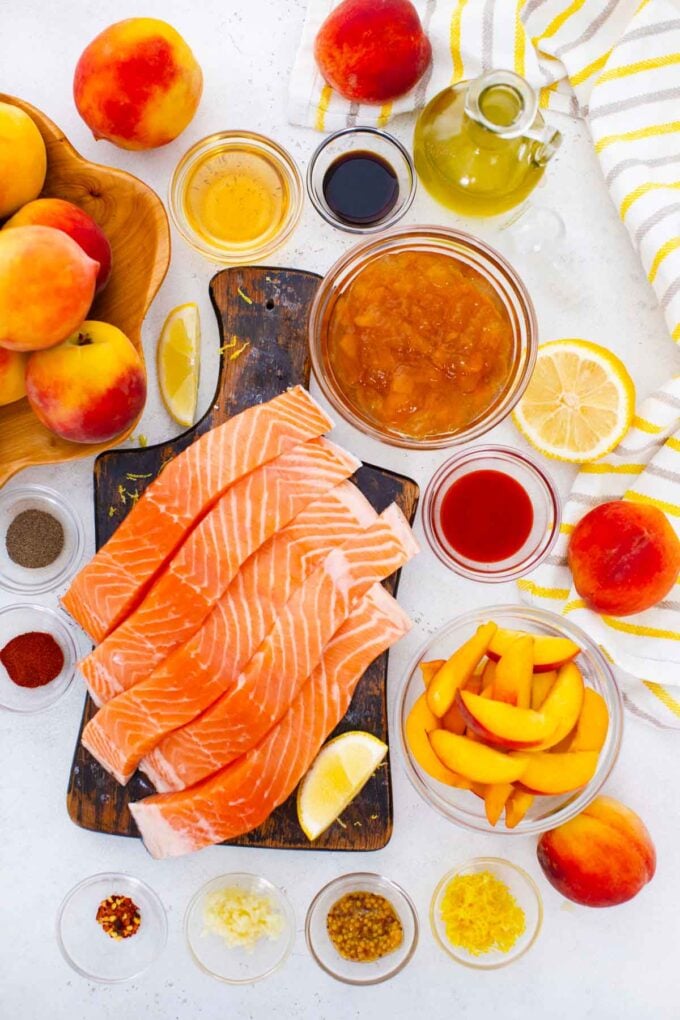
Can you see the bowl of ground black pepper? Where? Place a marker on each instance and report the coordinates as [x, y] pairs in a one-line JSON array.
[[37, 657], [362, 928], [41, 539]]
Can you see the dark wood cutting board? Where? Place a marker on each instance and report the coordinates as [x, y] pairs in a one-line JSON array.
[[262, 315]]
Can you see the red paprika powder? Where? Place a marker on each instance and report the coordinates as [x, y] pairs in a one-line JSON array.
[[32, 659]]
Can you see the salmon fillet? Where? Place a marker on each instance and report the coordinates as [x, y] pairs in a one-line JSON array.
[[285, 659], [199, 671], [244, 794], [249, 513], [114, 581]]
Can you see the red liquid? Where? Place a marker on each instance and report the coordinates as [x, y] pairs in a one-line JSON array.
[[486, 516]]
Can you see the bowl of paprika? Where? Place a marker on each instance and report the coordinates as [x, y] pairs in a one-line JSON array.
[[37, 658]]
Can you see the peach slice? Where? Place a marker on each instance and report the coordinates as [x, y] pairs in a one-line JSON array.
[[453, 720], [430, 670], [488, 673], [549, 652], [419, 723], [541, 686], [476, 761], [458, 669], [503, 724], [550, 773], [592, 725], [516, 807], [563, 705], [495, 798], [514, 672]]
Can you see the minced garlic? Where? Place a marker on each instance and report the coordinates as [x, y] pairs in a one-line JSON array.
[[480, 914], [241, 917]]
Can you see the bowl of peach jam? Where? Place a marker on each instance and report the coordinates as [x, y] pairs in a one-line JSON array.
[[423, 337]]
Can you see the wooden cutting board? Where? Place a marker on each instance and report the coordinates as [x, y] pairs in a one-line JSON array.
[[262, 315]]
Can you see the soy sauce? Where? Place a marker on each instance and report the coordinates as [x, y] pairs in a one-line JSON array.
[[360, 187]]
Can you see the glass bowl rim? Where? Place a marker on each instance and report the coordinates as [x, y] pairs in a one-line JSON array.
[[368, 877], [113, 876], [50, 495], [286, 909], [606, 762], [395, 214], [529, 883], [389, 241], [283, 158], [61, 627], [470, 454]]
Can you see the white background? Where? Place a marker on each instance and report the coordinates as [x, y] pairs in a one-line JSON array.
[[607, 964]]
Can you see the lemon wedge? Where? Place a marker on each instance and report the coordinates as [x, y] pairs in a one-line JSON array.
[[341, 768], [179, 358], [579, 404]]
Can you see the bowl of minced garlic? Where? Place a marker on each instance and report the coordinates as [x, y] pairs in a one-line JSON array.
[[486, 913]]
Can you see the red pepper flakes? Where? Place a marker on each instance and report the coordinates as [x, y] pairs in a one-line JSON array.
[[32, 659], [119, 916]]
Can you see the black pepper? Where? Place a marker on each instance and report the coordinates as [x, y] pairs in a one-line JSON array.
[[34, 539]]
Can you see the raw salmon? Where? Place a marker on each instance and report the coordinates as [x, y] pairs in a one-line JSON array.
[[244, 794], [200, 670], [114, 581], [285, 659], [249, 513]]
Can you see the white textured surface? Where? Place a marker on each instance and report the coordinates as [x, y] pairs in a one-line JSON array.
[[607, 964]]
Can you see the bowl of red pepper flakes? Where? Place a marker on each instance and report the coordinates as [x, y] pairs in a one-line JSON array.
[[37, 658]]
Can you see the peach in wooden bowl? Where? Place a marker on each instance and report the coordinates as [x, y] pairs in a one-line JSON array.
[[136, 225]]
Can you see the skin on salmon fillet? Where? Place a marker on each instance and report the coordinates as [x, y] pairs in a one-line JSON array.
[[244, 794], [115, 580], [205, 666], [248, 514], [292, 649]]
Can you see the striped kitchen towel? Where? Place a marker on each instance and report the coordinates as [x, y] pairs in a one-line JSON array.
[[645, 647]]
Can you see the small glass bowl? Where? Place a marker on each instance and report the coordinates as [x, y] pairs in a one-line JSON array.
[[461, 806], [234, 965], [325, 953], [276, 155], [465, 248], [89, 950], [362, 139], [534, 480], [22, 619], [524, 890], [34, 581]]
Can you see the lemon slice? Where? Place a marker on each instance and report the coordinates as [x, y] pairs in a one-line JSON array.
[[579, 404], [179, 358], [336, 776]]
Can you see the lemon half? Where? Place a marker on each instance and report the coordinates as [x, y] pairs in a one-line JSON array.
[[340, 770], [179, 358], [579, 404]]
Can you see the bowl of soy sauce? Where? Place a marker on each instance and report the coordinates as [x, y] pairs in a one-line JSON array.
[[361, 180]]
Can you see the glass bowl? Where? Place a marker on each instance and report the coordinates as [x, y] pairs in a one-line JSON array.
[[489, 263], [236, 965], [534, 480], [89, 950], [325, 953], [278, 159], [461, 806], [21, 619], [35, 580], [362, 139], [525, 892]]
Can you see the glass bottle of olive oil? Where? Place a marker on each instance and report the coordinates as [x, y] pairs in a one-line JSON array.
[[481, 146]]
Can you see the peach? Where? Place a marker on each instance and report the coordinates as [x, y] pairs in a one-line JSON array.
[[419, 723], [516, 807], [62, 215], [496, 796], [601, 858], [372, 51], [563, 705], [549, 773], [624, 557], [12, 376], [549, 652], [90, 388], [514, 672], [430, 670], [541, 685], [593, 723], [503, 724], [137, 84], [458, 669], [46, 287], [476, 761], [23, 159]]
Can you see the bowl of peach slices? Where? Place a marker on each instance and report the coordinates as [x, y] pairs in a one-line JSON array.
[[510, 720]]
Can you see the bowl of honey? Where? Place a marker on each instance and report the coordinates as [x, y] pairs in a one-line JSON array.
[[236, 196], [423, 337]]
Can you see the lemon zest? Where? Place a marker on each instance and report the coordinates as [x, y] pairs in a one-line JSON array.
[[480, 914]]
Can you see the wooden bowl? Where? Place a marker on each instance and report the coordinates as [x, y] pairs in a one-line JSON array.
[[135, 222]]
